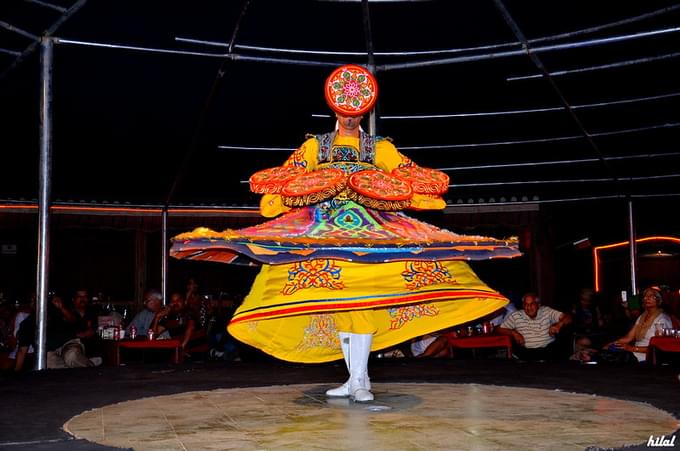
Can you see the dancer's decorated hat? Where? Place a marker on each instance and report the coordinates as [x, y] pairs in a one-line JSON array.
[[351, 90]]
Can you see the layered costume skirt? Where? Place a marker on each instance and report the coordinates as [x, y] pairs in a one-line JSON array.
[[339, 266]]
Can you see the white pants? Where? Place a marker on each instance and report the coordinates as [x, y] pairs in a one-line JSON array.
[[70, 355]]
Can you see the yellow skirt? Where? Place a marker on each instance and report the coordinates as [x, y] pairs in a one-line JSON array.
[[295, 311]]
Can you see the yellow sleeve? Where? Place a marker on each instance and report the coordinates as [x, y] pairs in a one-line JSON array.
[[387, 157], [427, 202], [305, 156], [271, 205]]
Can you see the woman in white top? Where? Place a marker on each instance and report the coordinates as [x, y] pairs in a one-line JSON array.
[[653, 318]]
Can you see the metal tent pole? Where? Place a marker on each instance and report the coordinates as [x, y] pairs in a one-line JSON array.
[[164, 255], [549, 38], [205, 111], [61, 9], [45, 185], [368, 35], [195, 143], [66, 15], [228, 56], [632, 249], [580, 70]]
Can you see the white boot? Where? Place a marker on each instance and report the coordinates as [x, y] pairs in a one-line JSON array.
[[360, 348], [343, 390]]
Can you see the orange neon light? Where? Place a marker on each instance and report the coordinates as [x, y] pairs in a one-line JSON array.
[[104, 209], [251, 211], [597, 249]]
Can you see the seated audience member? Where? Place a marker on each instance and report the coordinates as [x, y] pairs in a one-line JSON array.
[[432, 345], [24, 335], [396, 352], [438, 345], [587, 321], [635, 342], [13, 317], [64, 348], [533, 329], [178, 321], [7, 314], [671, 304], [197, 303], [86, 322], [616, 319], [143, 321], [222, 344], [192, 296]]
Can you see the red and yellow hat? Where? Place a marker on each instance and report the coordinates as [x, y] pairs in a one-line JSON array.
[[351, 90]]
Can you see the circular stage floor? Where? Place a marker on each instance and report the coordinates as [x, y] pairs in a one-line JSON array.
[[403, 416]]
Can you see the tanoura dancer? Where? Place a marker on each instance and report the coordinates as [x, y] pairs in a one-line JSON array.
[[344, 271]]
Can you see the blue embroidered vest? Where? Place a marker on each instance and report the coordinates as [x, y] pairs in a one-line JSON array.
[[332, 154]]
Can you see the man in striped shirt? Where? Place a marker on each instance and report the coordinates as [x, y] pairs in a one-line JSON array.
[[533, 329]]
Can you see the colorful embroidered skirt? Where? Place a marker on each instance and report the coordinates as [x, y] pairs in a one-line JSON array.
[[341, 230], [291, 309], [401, 277]]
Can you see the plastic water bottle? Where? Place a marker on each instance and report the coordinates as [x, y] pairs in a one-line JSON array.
[[133, 332]]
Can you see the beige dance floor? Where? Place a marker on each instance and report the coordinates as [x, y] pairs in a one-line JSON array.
[[402, 417]]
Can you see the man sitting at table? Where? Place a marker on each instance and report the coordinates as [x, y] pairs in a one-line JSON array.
[[180, 322], [153, 301], [64, 348], [86, 324], [533, 329]]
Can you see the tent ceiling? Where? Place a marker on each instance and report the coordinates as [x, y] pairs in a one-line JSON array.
[[124, 120]]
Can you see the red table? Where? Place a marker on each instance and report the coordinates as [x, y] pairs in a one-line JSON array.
[[149, 344], [666, 344], [483, 341]]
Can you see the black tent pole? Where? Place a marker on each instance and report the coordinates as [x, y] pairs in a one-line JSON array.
[[202, 118], [206, 109]]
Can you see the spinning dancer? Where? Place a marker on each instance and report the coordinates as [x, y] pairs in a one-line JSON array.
[[344, 271]]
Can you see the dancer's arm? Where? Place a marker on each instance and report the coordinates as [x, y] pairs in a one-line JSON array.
[[305, 156], [387, 158]]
